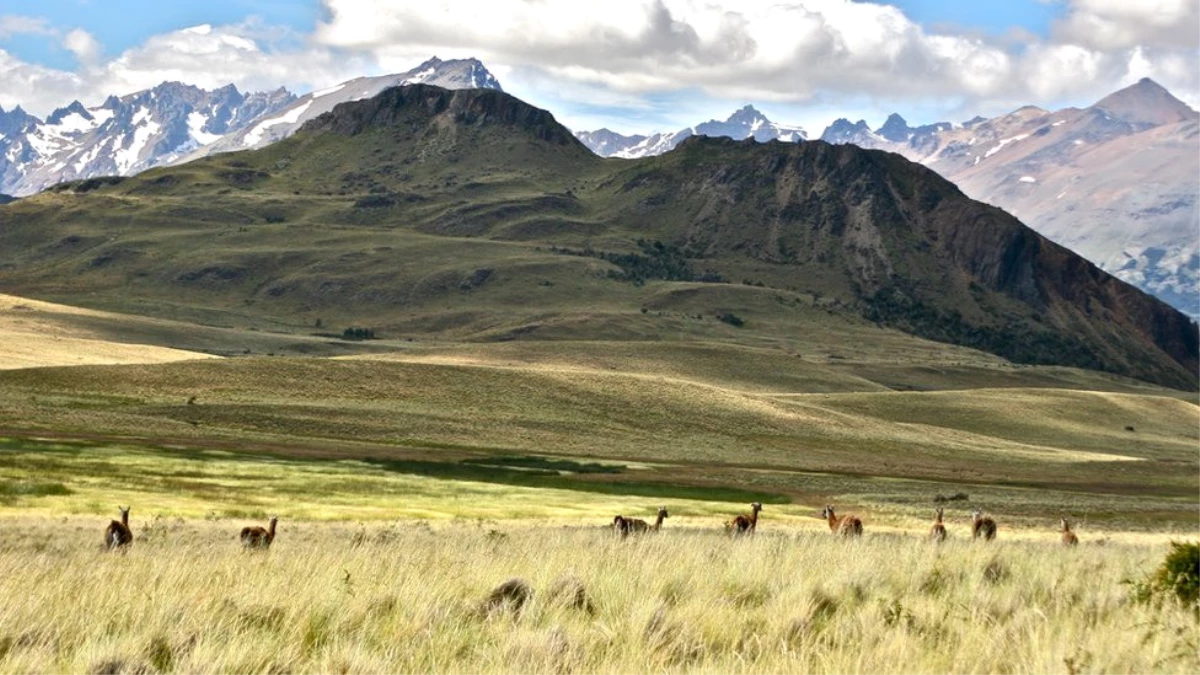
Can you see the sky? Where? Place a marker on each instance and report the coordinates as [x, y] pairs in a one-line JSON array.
[[634, 66]]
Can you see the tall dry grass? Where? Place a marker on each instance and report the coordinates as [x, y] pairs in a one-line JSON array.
[[406, 597]]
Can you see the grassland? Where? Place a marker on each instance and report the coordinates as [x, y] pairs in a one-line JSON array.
[[405, 597], [884, 427], [412, 478]]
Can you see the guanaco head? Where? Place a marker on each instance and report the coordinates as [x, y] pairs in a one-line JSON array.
[[124, 514], [939, 514], [1066, 525], [756, 507], [977, 514], [662, 512], [827, 512]]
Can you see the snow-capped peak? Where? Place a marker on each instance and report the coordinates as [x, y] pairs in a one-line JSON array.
[[746, 122]]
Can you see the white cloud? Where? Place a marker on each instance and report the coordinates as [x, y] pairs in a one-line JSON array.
[[85, 47], [1122, 24], [776, 50], [636, 58], [13, 24], [213, 56], [246, 55]]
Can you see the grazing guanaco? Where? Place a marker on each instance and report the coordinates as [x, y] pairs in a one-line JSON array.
[[938, 531], [620, 525], [849, 526], [636, 525], [980, 526], [1068, 537], [745, 524], [257, 537], [118, 535]]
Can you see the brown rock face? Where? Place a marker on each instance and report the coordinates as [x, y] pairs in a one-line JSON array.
[[915, 253]]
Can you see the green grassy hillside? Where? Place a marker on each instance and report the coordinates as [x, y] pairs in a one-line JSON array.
[[471, 216]]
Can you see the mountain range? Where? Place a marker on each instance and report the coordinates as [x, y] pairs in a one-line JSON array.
[[175, 122], [123, 135], [471, 215], [1079, 176], [745, 123]]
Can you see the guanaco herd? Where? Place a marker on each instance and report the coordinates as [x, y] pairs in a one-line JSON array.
[[118, 536], [847, 525]]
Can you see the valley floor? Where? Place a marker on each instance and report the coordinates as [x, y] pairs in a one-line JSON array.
[[411, 483]]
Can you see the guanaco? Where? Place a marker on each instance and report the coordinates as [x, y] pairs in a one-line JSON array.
[[257, 537], [1068, 537], [938, 531], [849, 526], [625, 526], [745, 524], [118, 535], [980, 526]]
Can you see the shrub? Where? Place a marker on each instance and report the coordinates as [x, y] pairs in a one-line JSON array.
[[1179, 573], [731, 319]]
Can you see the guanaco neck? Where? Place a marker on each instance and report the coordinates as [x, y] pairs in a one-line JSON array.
[[833, 520], [658, 523], [125, 518], [754, 517], [271, 529]]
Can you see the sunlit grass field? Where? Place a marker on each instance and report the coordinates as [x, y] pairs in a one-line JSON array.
[[410, 485], [407, 596]]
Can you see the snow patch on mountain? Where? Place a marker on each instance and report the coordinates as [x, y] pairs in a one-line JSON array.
[[128, 156], [196, 123], [255, 135]]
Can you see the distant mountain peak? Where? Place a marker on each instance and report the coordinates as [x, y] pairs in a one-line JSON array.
[[895, 129], [76, 108], [468, 73], [843, 130], [1145, 103]]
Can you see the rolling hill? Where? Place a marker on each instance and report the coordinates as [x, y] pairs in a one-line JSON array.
[[470, 215]]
